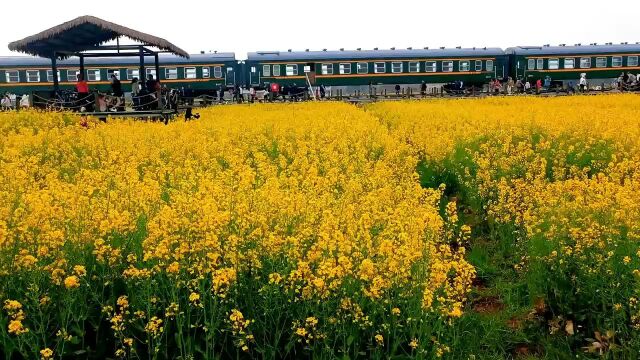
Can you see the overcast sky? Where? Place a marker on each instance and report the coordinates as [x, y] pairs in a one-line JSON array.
[[251, 25]]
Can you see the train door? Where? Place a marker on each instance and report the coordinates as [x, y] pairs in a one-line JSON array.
[[254, 75], [500, 70], [230, 76], [310, 72]]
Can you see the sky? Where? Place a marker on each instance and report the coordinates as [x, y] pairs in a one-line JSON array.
[[252, 25]]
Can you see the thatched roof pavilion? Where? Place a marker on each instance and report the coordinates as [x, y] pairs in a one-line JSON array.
[[85, 37]]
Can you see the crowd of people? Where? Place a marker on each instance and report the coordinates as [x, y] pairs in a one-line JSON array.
[[149, 94], [12, 101], [628, 81]]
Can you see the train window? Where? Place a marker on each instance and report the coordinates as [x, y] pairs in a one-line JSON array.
[[217, 72], [133, 73], [430, 66], [12, 76], [478, 65], [171, 73], [585, 63], [569, 63], [531, 64], [152, 72], [414, 67], [363, 68], [397, 67], [379, 68], [266, 70], [554, 64], [489, 65], [276, 70], [113, 72], [206, 72], [291, 69], [447, 66], [72, 75], [50, 75], [601, 62], [540, 64], [345, 69], [632, 61], [464, 65], [327, 69], [93, 75], [189, 73], [33, 75], [616, 61]]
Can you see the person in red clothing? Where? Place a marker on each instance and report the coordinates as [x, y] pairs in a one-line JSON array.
[[81, 86], [83, 93], [538, 86]]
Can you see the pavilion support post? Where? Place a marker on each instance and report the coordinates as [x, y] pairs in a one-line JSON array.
[[82, 67], [141, 76], [157, 60], [54, 69]]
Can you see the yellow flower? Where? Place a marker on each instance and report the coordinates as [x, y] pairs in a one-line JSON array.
[[379, 339], [414, 343], [71, 282], [154, 327], [12, 305], [80, 270], [46, 353], [15, 327], [311, 321], [194, 297], [395, 311]]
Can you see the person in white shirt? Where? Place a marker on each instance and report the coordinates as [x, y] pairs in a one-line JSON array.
[[583, 82], [24, 102]]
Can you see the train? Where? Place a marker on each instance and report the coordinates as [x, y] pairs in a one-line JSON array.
[[339, 70]]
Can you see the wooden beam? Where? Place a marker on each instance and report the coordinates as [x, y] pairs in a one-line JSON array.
[[54, 68]]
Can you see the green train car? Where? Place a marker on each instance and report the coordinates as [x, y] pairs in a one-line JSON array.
[[199, 74], [383, 69], [602, 64]]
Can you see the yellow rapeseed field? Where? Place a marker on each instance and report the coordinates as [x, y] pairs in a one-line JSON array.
[[322, 230]]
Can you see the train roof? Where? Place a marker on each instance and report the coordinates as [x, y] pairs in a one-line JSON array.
[[164, 58], [573, 49], [371, 54]]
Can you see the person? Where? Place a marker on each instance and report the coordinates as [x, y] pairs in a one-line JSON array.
[[538, 86], [497, 86], [252, 94], [510, 85], [397, 90], [5, 104], [547, 82], [527, 87], [116, 87], [583, 82], [102, 103], [237, 94], [24, 101], [151, 84], [323, 91], [570, 88], [275, 91], [632, 80], [620, 82], [423, 89], [519, 86], [135, 92], [82, 87]]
